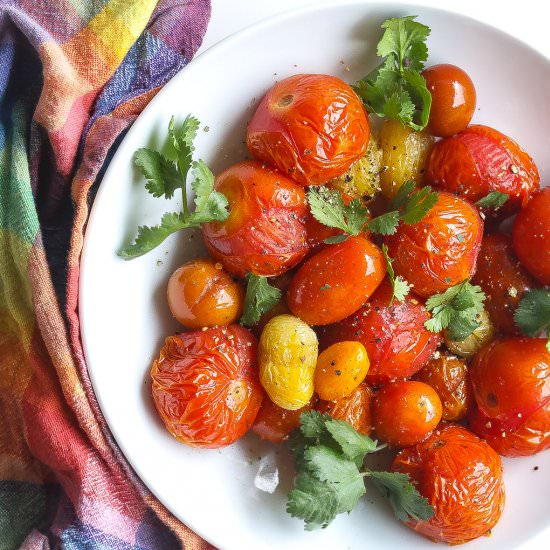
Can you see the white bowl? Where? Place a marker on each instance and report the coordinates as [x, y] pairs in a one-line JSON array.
[[122, 304]]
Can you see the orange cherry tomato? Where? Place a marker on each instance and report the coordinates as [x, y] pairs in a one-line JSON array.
[[453, 99], [397, 342], [503, 279], [205, 385], [530, 437], [448, 376], [461, 476], [479, 160], [531, 236], [312, 127], [273, 423], [336, 281], [511, 379], [404, 413], [201, 295], [340, 369], [265, 232], [441, 249], [355, 408]]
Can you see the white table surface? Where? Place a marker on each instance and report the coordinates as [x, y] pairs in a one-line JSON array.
[[526, 20]]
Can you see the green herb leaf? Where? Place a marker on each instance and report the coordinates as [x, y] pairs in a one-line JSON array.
[[353, 444], [336, 239], [259, 299], [399, 285], [209, 204], [532, 316], [495, 200], [385, 224], [419, 204], [402, 196], [161, 174]]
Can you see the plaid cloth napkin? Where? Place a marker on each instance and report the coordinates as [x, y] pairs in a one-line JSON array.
[[74, 74]]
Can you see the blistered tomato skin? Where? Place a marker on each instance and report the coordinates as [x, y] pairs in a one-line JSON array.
[[480, 160], [404, 413], [480, 337], [201, 295], [205, 385], [503, 279], [441, 249], [461, 476], [397, 342], [355, 408], [453, 99], [287, 356], [265, 232], [531, 236], [311, 127], [511, 379], [336, 281]]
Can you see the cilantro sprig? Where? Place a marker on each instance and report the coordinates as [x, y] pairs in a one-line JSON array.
[[328, 456], [532, 316], [457, 310], [396, 88], [164, 177], [259, 299], [494, 199], [399, 285]]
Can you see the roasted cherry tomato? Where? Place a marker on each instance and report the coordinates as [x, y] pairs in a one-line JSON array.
[[531, 236], [511, 379], [529, 437], [404, 413], [480, 337], [336, 281], [340, 369], [479, 160], [503, 280], [274, 423], [355, 408], [205, 385], [312, 127], [461, 476], [441, 249], [397, 342], [453, 99], [448, 376], [200, 294], [265, 231]]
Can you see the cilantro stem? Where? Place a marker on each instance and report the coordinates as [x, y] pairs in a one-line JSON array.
[[182, 171]]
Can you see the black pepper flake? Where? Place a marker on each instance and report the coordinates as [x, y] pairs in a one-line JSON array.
[[535, 468], [332, 363], [337, 372]]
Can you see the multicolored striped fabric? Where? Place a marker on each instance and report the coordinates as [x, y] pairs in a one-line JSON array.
[[74, 74]]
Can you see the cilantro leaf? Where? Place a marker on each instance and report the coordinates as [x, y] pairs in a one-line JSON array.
[[260, 298], [336, 239], [385, 224], [405, 500], [353, 444], [495, 200], [161, 174], [419, 204], [209, 204], [402, 196], [399, 285], [532, 316]]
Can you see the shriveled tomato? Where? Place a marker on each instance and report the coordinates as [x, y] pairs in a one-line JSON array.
[[397, 342], [336, 281], [448, 376], [511, 379], [404, 413], [453, 99], [201, 294], [312, 127], [265, 231], [273, 423], [205, 386], [441, 249], [355, 408], [479, 338], [479, 160], [503, 280], [461, 476], [529, 437], [531, 236]]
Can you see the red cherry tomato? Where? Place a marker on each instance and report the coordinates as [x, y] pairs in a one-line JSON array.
[[441, 249], [397, 342], [312, 127], [503, 280], [461, 476], [336, 281], [205, 385], [511, 379], [479, 160], [531, 236], [265, 232], [453, 99]]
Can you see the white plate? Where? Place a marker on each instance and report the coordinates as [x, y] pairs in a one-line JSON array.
[[122, 304]]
